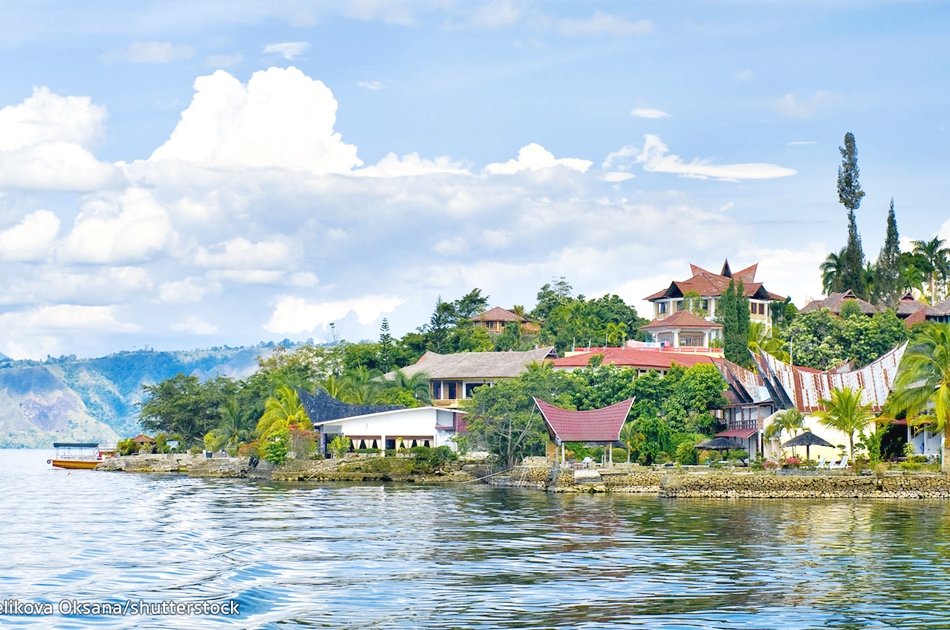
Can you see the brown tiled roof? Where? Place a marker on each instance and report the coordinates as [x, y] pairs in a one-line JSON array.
[[835, 301], [498, 314], [598, 425], [709, 284], [476, 364], [681, 319], [640, 358]]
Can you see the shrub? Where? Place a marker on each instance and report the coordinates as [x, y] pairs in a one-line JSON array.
[[737, 454], [686, 453], [791, 462], [277, 447], [427, 459], [619, 455], [340, 446]]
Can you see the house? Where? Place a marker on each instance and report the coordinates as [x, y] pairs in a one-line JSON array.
[[835, 302], [913, 311], [748, 408], [643, 360], [395, 429], [596, 426], [496, 319], [701, 294], [453, 377]]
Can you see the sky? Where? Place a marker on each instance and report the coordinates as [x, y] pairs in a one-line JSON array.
[[178, 175]]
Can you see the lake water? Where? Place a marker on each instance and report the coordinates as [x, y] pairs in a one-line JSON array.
[[403, 556]]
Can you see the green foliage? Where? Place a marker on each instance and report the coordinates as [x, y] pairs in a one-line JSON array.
[[790, 421], [887, 289], [450, 328], [598, 387], [339, 446], [658, 439], [850, 195], [686, 453], [821, 340], [127, 447], [733, 313], [428, 460], [276, 447], [845, 412], [568, 320], [282, 411], [934, 260], [184, 405]]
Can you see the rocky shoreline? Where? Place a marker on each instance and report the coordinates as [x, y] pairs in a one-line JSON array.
[[538, 473]]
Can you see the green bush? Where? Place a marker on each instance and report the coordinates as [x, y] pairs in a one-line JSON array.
[[427, 459], [686, 454], [619, 455], [276, 449], [340, 446]]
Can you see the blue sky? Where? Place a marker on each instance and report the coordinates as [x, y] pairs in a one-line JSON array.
[[177, 175]]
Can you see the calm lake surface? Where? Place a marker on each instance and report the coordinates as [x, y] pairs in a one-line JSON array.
[[402, 556]]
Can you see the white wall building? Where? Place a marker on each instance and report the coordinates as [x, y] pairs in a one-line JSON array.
[[398, 428]]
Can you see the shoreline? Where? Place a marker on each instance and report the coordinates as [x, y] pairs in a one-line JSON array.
[[539, 474]]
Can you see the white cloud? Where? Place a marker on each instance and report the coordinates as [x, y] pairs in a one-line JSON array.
[[52, 284], [132, 228], [534, 157], [615, 177], [31, 238], [789, 271], [792, 107], [655, 157], [603, 24], [196, 326], [744, 75], [495, 14], [68, 317], [294, 315], [158, 52], [281, 119], [648, 112], [187, 291], [372, 86], [287, 50], [412, 165], [799, 143], [277, 253]]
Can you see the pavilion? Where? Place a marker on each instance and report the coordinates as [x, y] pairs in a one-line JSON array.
[[597, 426]]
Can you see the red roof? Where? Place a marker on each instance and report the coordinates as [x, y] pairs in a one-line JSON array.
[[498, 314], [742, 434], [681, 319], [709, 284], [597, 425], [642, 358]]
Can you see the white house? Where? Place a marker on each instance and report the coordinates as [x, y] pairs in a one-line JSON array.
[[396, 428]]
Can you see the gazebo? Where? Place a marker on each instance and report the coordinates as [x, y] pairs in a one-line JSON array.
[[597, 426]]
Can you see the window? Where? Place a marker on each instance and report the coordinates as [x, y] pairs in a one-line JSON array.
[[450, 390], [661, 307]]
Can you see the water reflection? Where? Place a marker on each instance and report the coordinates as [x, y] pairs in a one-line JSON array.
[[464, 556]]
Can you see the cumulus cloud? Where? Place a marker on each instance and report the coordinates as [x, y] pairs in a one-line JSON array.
[[655, 157], [45, 144], [412, 165], [280, 119], [287, 50], [615, 177], [187, 291], [131, 228], [791, 106], [534, 157], [277, 253], [31, 238], [68, 317], [648, 112], [601, 23], [294, 315]]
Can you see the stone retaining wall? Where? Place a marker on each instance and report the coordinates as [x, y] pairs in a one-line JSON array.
[[764, 485]]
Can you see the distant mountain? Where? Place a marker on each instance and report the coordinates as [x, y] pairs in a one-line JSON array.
[[70, 399]]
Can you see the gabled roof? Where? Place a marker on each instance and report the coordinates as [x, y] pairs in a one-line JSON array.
[[598, 425], [805, 388], [836, 301], [639, 358], [681, 319], [322, 407], [498, 314], [710, 284], [476, 364]]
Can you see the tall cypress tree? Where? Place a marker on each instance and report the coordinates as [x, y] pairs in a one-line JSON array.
[[850, 195], [887, 290], [733, 310]]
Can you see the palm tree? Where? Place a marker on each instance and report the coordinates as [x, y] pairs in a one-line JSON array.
[[846, 413], [417, 385], [937, 259], [790, 421], [631, 438], [831, 271], [761, 337], [911, 271], [922, 386], [281, 411], [616, 333]]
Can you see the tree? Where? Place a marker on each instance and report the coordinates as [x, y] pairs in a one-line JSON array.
[[832, 270], [936, 260], [184, 405], [386, 359], [282, 411], [845, 412], [790, 421], [551, 295], [850, 195], [733, 314], [912, 272], [922, 387], [761, 337], [632, 439], [887, 290]]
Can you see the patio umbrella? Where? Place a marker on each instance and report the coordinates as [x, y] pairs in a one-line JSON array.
[[807, 439], [719, 444]]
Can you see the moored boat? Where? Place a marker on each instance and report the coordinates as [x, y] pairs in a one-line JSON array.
[[79, 455]]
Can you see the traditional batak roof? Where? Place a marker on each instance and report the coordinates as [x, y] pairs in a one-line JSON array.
[[709, 284], [681, 319], [499, 314], [476, 364], [913, 311], [836, 301], [598, 425], [640, 358], [322, 407], [804, 388]]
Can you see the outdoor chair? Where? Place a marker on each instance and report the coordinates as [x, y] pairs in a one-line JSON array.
[[823, 463], [838, 465]]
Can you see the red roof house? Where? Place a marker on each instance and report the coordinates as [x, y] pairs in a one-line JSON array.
[[597, 425]]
